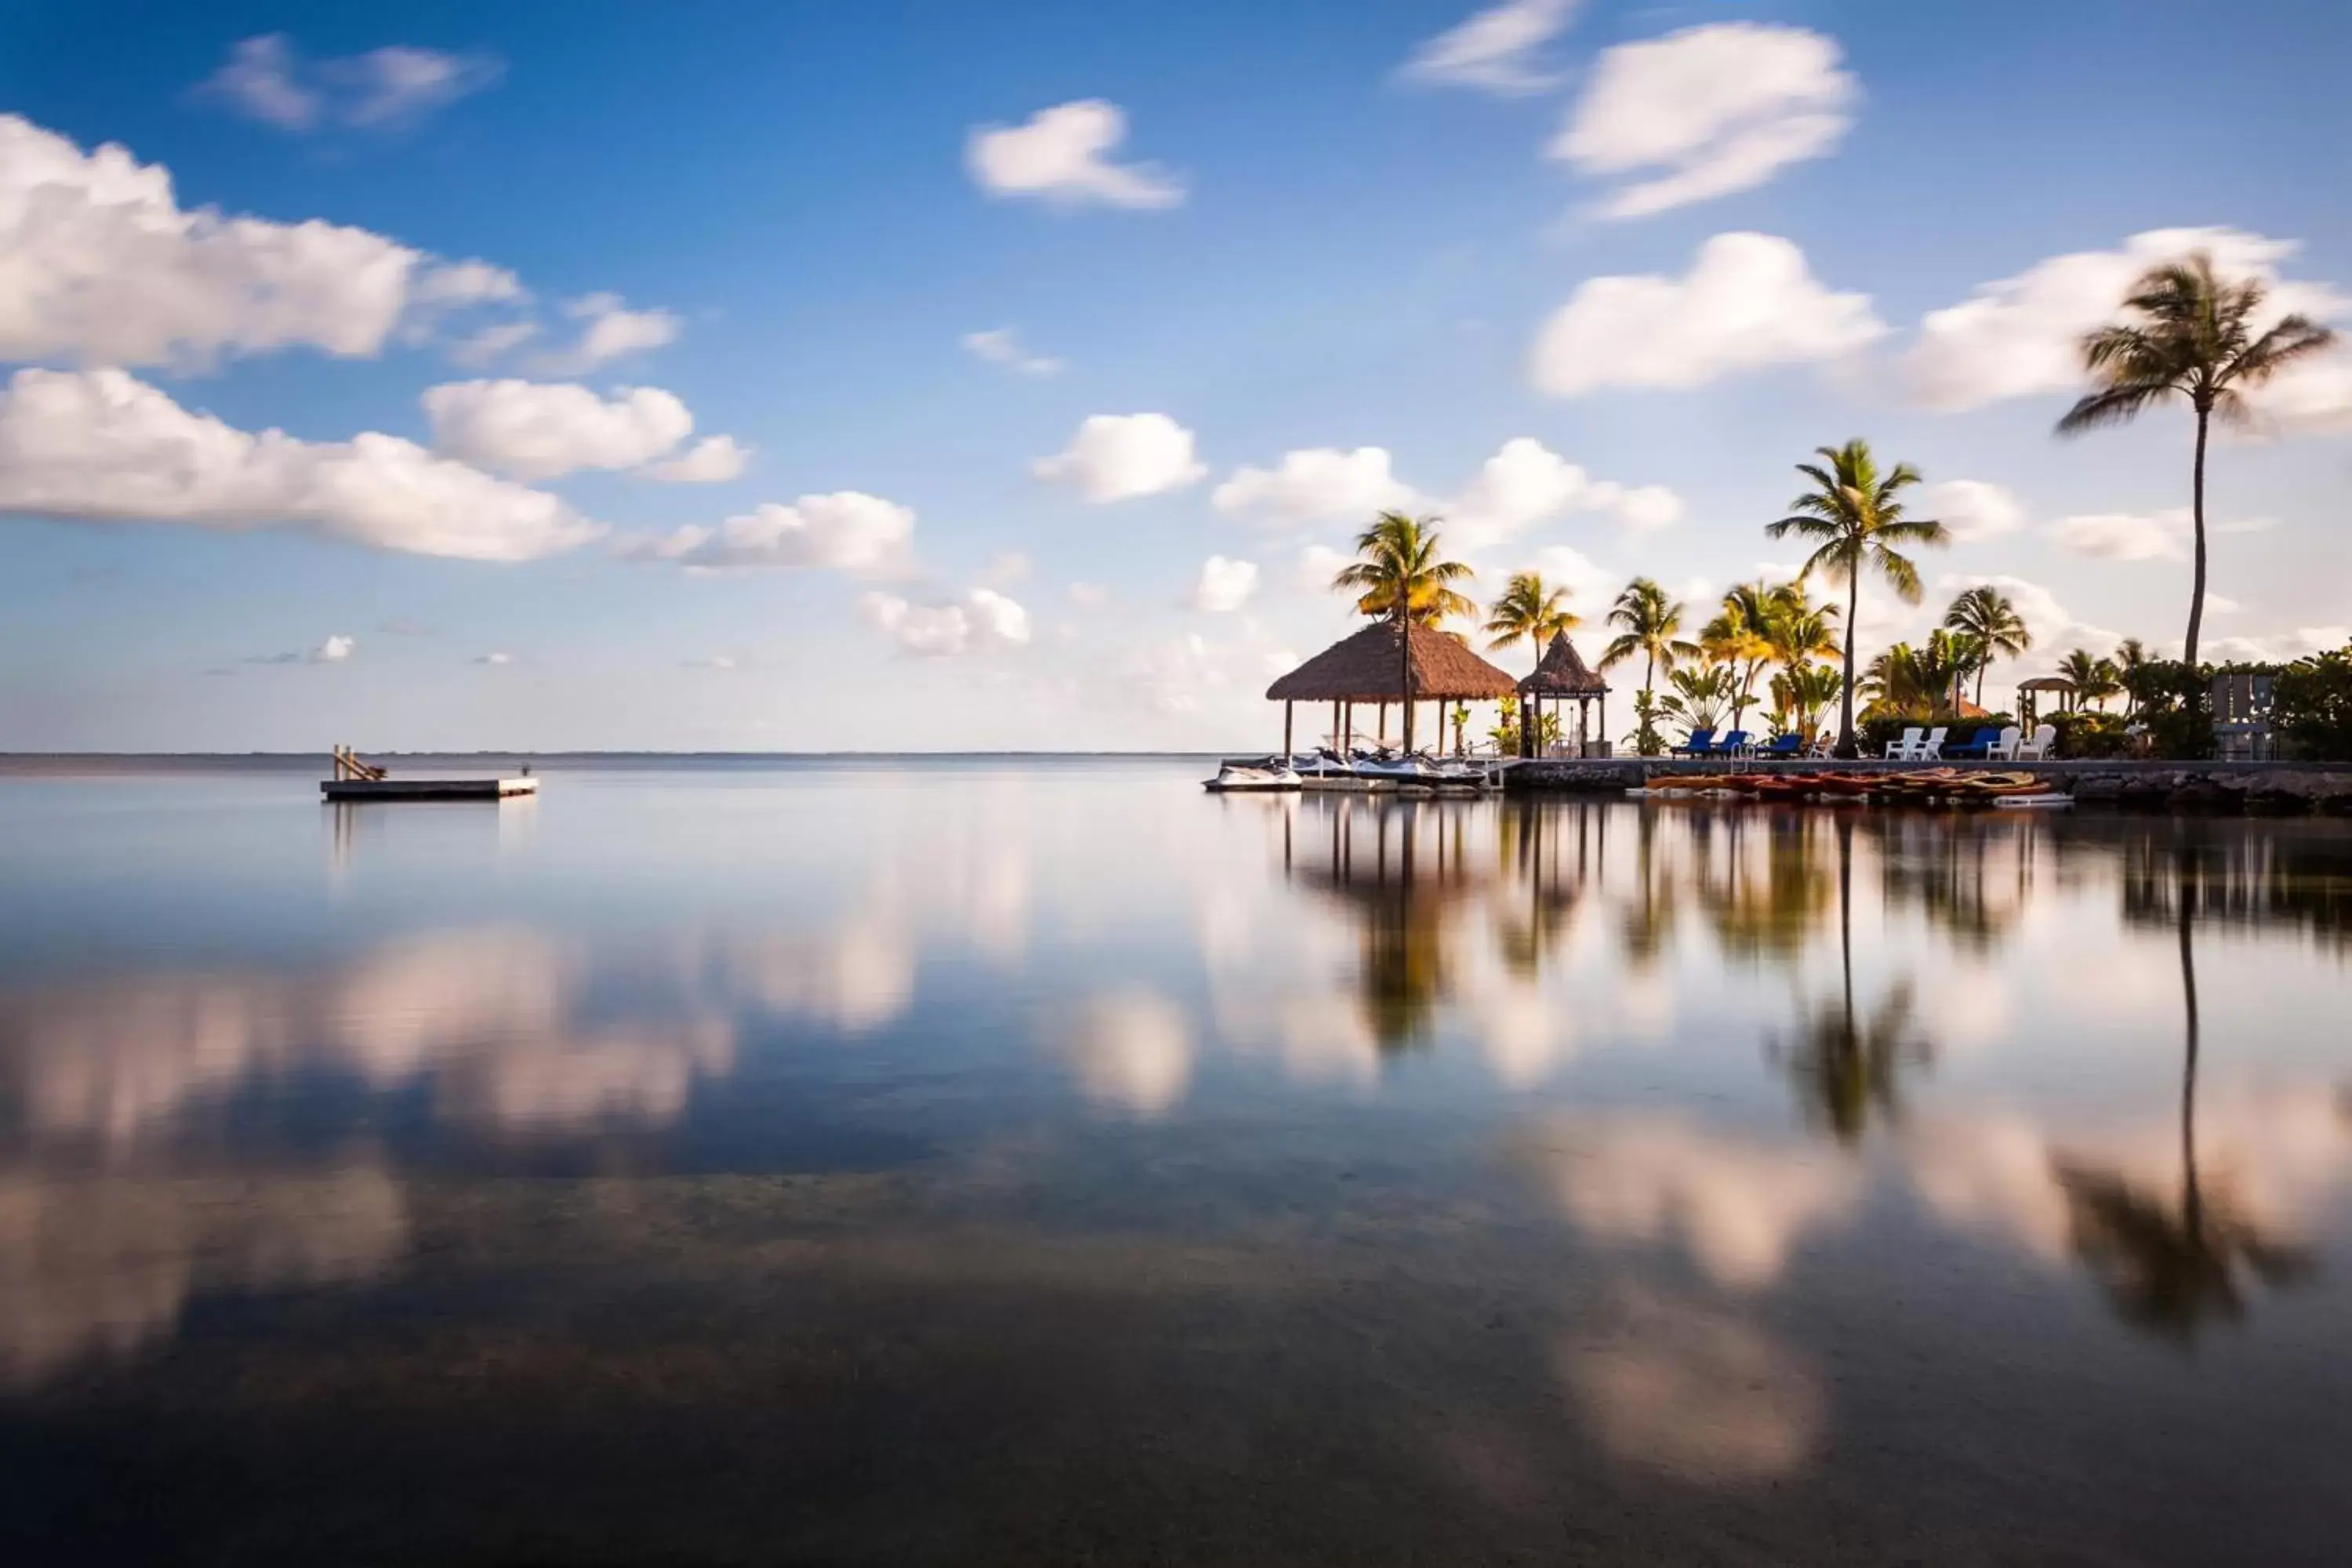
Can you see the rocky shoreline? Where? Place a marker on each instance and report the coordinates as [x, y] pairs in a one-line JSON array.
[[2224, 787]]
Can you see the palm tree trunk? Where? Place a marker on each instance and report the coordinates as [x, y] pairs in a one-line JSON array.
[[1405, 657], [1649, 722], [2196, 512], [1845, 747]]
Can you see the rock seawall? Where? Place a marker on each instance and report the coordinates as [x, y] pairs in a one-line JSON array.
[[2278, 788]]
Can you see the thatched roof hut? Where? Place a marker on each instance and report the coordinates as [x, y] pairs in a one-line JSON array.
[[1365, 668], [1563, 673]]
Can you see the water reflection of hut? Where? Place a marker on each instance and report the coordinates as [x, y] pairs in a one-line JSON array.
[[1404, 870], [1371, 667], [1564, 676]]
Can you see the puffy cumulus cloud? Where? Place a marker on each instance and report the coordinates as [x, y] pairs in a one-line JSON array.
[[1495, 49], [1526, 482], [1313, 484], [1119, 457], [1589, 583], [982, 621], [1062, 155], [1717, 108], [1223, 585], [1132, 1052], [265, 79], [2018, 337], [1316, 567], [712, 460], [1748, 301], [609, 330], [1002, 345], [535, 430], [846, 531], [102, 445], [1973, 510], [2125, 536], [104, 265]]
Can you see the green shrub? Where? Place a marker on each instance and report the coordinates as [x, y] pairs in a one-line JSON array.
[[2174, 702], [2311, 707], [2087, 733]]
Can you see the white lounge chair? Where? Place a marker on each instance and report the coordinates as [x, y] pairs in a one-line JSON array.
[[2038, 749], [2005, 749], [1904, 750], [1933, 746]]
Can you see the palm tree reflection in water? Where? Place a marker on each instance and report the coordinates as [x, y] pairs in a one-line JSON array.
[[1404, 868], [2164, 1266], [1843, 1064]]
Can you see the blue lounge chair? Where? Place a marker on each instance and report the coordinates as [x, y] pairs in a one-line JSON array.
[[1789, 745], [1986, 740], [1698, 745], [1731, 745]]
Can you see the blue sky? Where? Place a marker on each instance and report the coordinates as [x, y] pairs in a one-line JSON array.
[[1265, 227]]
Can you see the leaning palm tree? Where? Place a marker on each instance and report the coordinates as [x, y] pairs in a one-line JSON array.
[[1399, 577], [1650, 624], [2189, 334], [1529, 611], [1855, 520], [1985, 614]]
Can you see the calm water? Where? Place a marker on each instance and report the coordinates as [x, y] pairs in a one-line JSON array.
[[1046, 1163]]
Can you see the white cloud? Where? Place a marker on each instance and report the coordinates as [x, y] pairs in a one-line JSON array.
[[495, 659], [2125, 536], [103, 265], [485, 346], [982, 620], [336, 650], [2056, 628], [1748, 301], [1314, 483], [1132, 1051], [846, 531], [1089, 595], [535, 430], [712, 460], [1526, 482], [2021, 336], [1495, 49], [1973, 510], [1317, 566], [1223, 585], [2283, 649], [1061, 154], [1002, 345], [610, 331], [1589, 583], [453, 284], [716, 661], [1719, 108], [1119, 457], [104, 447], [265, 79]]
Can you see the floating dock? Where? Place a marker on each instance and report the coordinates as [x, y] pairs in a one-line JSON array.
[[427, 789]]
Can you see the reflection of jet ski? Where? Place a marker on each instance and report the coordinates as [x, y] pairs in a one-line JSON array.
[[1264, 775]]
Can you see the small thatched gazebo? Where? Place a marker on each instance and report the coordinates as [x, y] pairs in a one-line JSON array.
[[1562, 676], [2030, 694], [1370, 667]]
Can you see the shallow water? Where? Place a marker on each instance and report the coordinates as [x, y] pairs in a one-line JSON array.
[[970, 1161]]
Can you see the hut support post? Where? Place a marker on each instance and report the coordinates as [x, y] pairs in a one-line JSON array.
[[1285, 731], [1604, 718]]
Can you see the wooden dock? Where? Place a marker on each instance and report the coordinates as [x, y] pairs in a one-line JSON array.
[[427, 789], [355, 780]]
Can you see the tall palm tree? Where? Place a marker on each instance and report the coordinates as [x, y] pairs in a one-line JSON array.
[[1985, 614], [1399, 575], [1737, 635], [1856, 521], [1529, 611], [1650, 624], [2095, 679], [2188, 335]]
